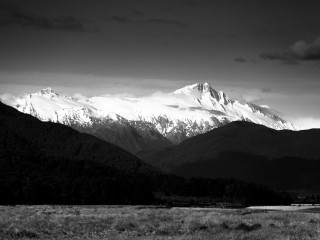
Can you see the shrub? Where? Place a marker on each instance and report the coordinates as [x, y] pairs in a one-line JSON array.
[[125, 224], [248, 228], [272, 225], [169, 229], [26, 234], [196, 225], [224, 225], [312, 221]]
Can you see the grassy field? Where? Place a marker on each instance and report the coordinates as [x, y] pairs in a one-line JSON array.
[[134, 222]]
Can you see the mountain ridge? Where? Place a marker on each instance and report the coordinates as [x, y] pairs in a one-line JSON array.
[[147, 123]]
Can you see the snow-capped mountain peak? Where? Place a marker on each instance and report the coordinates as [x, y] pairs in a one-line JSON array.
[[47, 91], [200, 87], [203, 90], [206, 96], [188, 111]]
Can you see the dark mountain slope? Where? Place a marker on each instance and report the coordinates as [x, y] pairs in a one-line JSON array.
[[43, 162], [49, 163], [242, 137], [57, 140], [281, 159], [280, 174]]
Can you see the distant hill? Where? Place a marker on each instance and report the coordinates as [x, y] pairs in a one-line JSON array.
[[281, 159], [49, 163]]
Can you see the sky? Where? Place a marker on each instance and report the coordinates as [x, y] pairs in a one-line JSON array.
[[267, 52]]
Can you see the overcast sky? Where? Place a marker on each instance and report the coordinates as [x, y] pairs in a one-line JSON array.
[[265, 51]]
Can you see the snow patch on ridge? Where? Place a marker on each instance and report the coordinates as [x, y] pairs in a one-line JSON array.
[[265, 106]]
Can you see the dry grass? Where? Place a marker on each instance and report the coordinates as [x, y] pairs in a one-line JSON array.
[[111, 222]]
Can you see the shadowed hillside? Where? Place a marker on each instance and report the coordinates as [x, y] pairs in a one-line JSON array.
[[280, 159], [43, 162], [49, 163]]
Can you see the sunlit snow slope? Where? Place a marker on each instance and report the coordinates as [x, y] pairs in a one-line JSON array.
[[147, 123]]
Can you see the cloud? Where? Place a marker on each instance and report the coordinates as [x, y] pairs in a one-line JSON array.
[[120, 19], [136, 12], [306, 123], [10, 99], [12, 15], [284, 57], [152, 21], [300, 51], [267, 90], [7, 98], [240, 60], [17, 82], [160, 21], [79, 96]]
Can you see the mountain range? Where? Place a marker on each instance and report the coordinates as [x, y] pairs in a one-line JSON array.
[[139, 124], [195, 131]]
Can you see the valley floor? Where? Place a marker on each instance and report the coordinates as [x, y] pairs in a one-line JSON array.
[[139, 222]]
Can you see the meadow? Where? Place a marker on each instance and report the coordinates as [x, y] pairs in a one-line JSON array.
[[141, 222]]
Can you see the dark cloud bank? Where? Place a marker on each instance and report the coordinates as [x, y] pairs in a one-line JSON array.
[[240, 60], [11, 15], [132, 19], [300, 51]]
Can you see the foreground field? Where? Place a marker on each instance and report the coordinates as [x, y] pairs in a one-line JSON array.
[[112, 222]]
